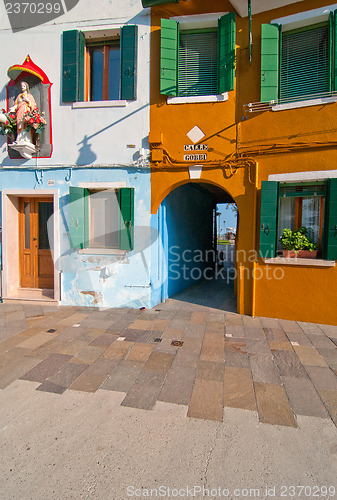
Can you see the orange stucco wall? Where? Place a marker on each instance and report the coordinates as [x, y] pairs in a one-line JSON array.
[[276, 142]]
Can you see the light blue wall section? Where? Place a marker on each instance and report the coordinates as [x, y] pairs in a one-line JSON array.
[[132, 279], [187, 214]]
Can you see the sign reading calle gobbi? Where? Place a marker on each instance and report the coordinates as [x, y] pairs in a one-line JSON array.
[[195, 147]]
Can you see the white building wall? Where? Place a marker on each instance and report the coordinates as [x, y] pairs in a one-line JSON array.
[[107, 131]]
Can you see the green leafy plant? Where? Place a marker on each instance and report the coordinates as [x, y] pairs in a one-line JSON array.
[[297, 240]]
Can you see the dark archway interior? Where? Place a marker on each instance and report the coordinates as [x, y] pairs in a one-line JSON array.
[[190, 239]]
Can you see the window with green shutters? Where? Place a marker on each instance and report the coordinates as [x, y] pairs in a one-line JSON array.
[[199, 62], [298, 64], [101, 218], [96, 70], [292, 205]]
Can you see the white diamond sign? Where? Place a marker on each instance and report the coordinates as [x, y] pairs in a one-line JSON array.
[[195, 134]]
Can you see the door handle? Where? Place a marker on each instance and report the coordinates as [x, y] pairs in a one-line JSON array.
[[35, 238]]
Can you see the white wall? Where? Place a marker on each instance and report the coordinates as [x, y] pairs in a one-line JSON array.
[[123, 125]]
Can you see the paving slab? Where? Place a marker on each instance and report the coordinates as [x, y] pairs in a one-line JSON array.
[[309, 356], [289, 364], [329, 399], [145, 391], [239, 389], [303, 397], [46, 368], [178, 385], [212, 348], [322, 377], [273, 405], [159, 362], [264, 369], [94, 376], [206, 400], [63, 378], [123, 376]]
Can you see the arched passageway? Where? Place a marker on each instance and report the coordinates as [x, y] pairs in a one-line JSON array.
[[195, 270]]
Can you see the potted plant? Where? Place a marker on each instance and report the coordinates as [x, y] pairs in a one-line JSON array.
[[298, 244]]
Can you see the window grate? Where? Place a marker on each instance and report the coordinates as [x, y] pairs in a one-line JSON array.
[[198, 72]]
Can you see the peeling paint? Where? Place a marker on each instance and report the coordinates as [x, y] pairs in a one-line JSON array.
[[97, 296]]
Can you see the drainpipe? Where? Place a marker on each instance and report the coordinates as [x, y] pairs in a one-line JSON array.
[[255, 237]]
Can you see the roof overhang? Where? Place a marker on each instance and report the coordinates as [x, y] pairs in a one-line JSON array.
[[241, 6]]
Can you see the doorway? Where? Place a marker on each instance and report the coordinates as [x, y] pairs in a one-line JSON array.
[[35, 252]]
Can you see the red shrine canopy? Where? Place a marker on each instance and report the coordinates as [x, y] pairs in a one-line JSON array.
[[14, 72]]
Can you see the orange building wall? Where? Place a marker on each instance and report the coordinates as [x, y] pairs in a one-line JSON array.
[[276, 142]]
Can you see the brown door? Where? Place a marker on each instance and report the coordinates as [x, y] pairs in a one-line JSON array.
[[36, 263]]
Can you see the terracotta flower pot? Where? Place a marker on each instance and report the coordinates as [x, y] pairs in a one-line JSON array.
[[290, 254], [307, 254]]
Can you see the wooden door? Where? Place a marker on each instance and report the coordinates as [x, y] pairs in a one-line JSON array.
[[36, 263]]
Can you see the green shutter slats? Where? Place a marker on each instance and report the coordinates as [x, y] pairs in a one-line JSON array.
[[270, 35], [330, 224], [126, 223], [334, 50], [226, 53], [152, 3], [77, 217], [73, 66], [197, 64], [129, 43], [169, 57], [268, 219], [305, 62]]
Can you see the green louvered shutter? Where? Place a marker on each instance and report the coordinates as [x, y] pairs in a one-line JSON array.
[[73, 66], [305, 62], [152, 3], [169, 57], [268, 219], [198, 63], [270, 35], [78, 217], [330, 223], [129, 42], [126, 221], [333, 51], [226, 53]]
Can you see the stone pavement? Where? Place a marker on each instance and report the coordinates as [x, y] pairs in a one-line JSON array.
[[183, 352]]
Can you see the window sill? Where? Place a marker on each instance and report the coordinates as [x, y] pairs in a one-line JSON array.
[[99, 104], [300, 262], [304, 104], [198, 98], [102, 251]]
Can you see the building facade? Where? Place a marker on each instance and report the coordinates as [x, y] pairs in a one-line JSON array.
[[243, 110], [76, 221]]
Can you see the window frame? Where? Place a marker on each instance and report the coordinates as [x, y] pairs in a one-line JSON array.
[[79, 221], [269, 214], [299, 196], [169, 53], [271, 56], [75, 59], [105, 43]]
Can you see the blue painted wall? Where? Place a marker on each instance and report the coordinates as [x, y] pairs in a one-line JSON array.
[[187, 230], [129, 280]]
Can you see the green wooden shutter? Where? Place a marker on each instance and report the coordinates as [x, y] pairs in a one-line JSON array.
[[129, 42], [305, 62], [270, 35], [152, 3], [198, 62], [126, 220], [330, 224], [268, 219], [73, 66], [78, 217], [169, 57], [226, 53], [333, 52]]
